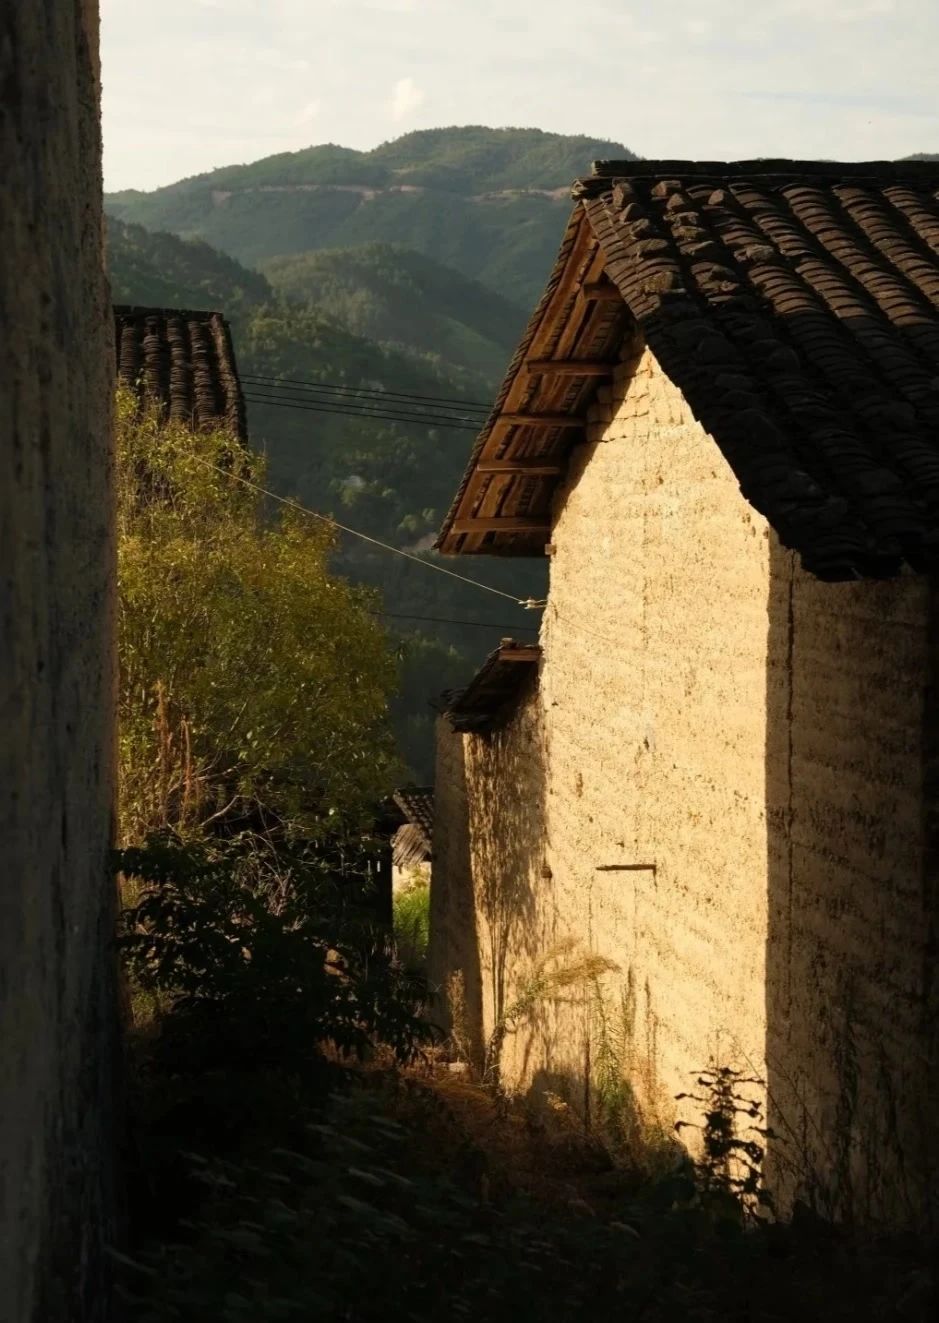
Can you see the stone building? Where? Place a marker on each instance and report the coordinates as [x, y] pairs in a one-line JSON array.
[[719, 772], [58, 1003]]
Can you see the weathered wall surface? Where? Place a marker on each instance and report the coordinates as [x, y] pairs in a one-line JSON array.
[[56, 577], [849, 1013], [717, 786]]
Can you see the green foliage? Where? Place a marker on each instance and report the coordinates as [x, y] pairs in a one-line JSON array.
[[254, 684], [412, 925], [371, 1203], [262, 955]]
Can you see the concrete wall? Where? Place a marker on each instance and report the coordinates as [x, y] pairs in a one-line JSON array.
[[57, 999], [718, 786]]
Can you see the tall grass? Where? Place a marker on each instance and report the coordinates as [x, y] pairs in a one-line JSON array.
[[412, 925]]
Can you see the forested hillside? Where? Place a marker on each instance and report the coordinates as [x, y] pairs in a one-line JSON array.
[[160, 271], [489, 202], [405, 300]]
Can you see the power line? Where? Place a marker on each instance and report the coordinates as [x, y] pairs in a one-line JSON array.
[[382, 399], [427, 420], [365, 537], [445, 620], [485, 407]]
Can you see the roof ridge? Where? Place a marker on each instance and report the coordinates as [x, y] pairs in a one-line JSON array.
[[763, 166], [145, 310]]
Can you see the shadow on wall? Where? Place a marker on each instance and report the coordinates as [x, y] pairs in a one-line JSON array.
[[506, 816], [486, 924], [851, 916], [453, 955]]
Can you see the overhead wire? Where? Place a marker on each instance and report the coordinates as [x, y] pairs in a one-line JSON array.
[[368, 399], [365, 537], [309, 406], [446, 620], [380, 393]]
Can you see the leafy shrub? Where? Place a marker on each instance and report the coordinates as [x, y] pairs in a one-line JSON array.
[[262, 963], [376, 1211], [254, 683]]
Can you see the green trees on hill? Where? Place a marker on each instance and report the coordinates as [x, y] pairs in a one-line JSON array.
[[159, 270], [407, 301], [472, 198]]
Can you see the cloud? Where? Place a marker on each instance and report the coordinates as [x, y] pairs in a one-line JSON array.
[[406, 98], [309, 112], [852, 79]]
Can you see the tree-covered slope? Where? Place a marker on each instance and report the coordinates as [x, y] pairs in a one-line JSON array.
[[161, 270], [407, 301], [489, 202]]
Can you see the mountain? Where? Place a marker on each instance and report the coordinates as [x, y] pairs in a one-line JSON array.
[[406, 301], [489, 202]]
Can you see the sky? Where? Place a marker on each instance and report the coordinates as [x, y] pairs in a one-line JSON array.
[[194, 84]]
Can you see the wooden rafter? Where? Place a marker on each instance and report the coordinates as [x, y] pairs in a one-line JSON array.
[[533, 468], [540, 420], [502, 524], [568, 367], [600, 291]]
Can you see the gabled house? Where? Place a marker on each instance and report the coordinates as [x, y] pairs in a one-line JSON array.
[[722, 771], [412, 843], [185, 361]]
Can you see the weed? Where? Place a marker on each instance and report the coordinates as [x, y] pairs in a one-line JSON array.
[[564, 967], [412, 925], [729, 1171]]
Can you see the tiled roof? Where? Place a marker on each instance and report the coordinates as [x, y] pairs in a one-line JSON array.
[[409, 846], [417, 806], [186, 361], [794, 304], [494, 687]]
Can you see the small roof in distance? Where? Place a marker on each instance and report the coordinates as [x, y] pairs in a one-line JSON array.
[[184, 360]]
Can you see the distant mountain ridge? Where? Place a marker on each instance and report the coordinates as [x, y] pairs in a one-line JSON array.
[[160, 270], [490, 203], [403, 299]]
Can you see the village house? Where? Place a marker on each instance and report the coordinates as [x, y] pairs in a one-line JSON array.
[[412, 842], [718, 772], [185, 361]]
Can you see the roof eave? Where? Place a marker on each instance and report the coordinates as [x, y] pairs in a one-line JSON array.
[[571, 346]]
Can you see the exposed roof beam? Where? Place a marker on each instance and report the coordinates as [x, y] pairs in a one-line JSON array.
[[532, 468], [568, 367], [541, 419], [503, 524], [600, 291]]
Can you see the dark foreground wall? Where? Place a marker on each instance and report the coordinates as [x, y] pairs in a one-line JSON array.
[[57, 1002]]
